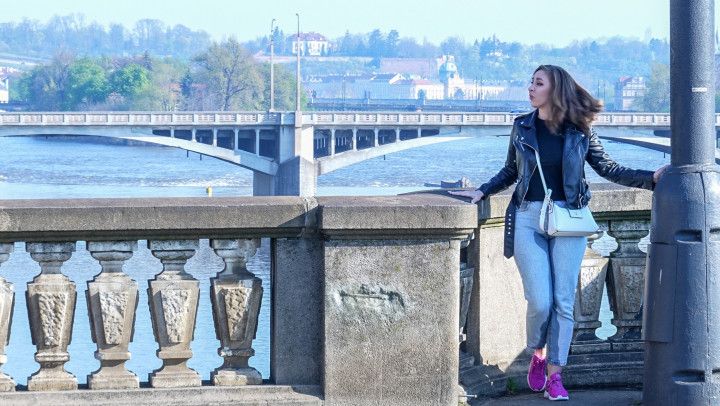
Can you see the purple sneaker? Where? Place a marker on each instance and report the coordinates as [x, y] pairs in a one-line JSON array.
[[536, 377], [555, 389]]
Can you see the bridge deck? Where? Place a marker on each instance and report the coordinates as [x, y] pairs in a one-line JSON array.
[[655, 143]]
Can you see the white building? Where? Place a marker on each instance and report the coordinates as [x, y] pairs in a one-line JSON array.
[[311, 44], [4, 90], [629, 91]]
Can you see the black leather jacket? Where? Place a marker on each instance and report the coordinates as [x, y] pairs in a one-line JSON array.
[[578, 148]]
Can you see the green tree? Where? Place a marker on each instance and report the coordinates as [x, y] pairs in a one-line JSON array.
[[231, 76], [130, 80], [88, 83], [657, 95]]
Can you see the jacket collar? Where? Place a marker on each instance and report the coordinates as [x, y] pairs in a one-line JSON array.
[[528, 135]]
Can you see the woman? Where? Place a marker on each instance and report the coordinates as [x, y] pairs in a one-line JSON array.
[[559, 129]]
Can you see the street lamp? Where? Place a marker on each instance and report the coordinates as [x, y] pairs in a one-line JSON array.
[[297, 51], [681, 314], [272, 67]]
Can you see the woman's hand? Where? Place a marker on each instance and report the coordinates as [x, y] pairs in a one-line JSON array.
[[476, 195], [658, 173]]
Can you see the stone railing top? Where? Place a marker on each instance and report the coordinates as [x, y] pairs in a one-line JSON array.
[[163, 218], [609, 201], [405, 215]]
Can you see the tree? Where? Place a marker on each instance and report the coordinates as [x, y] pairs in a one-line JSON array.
[[376, 44], [657, 95], [130, 80], [88, 83], [230, 74], [391, 43]]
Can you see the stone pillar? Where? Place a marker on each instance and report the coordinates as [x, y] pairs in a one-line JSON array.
[[236, 132], [7, 302], [193, 133], [354, 139], [331, 151], [173, 298], [626, 283], [215, 135], [419, 132], [591, 284], [172, 132], [376, 140], [391, 301], [51, 307], [257, 141], [235, 294], [297, 316], [112, 299], [397, 134]]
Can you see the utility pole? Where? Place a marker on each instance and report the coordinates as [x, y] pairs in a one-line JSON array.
[[681, 317], [272, 67]]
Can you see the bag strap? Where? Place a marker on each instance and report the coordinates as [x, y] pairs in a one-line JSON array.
[[542, 176]]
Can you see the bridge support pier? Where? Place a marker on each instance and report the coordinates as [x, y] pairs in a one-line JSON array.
[[296, 174]]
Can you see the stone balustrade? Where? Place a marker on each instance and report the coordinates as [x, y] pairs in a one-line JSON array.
[[496, 319], [364, 310]]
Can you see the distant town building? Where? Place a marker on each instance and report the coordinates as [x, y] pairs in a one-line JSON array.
[[311, 44], [449, 85], [629, 91]]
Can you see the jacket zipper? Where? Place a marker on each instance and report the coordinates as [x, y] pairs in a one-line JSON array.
[[531, 173]]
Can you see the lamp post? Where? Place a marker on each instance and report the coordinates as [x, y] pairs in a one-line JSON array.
[[297, 85], [681, 317], [272, 67]]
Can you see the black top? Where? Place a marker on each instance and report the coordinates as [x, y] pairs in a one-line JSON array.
[[550, 149]]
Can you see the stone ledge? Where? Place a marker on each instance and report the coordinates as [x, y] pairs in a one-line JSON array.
[[406, 216], [241, 395], [609, 201]]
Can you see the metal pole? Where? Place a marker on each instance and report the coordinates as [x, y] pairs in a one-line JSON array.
[[681, 318], [272, 67], [297, 85]]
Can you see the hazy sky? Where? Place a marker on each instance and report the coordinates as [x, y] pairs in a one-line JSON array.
[[549, 21]]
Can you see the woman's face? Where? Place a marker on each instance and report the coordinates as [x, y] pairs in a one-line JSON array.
[[539, 89]]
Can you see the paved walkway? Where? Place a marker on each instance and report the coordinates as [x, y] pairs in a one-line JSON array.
[[611, 397]]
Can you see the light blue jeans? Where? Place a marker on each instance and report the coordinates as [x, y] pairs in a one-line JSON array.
[[549, 267]]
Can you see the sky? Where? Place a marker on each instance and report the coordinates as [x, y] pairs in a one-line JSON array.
[[554, 22]]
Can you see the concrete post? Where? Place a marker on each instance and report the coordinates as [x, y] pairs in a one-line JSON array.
[[331, 150], [354, 139], [111, 300], [391, 302], [215, 135], [236, 132], [297, 335], [257, 141], [7, 296], [173, 299], [193, 133], [419, 132], [235, 294], [51, 307], [376, 140], [397, 135], [172, 132]]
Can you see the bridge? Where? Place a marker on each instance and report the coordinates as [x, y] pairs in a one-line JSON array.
[[288, 150]]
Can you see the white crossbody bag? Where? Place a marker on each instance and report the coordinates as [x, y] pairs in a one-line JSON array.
[[559, 221]]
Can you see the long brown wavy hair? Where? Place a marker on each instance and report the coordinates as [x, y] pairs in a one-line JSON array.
[[569, 102]]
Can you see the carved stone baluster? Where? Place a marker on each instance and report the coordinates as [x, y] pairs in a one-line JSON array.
[[51, 307], [7, 301], [591, 284], [173, 298], [112, 300], [236, 294], [625, 283]]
